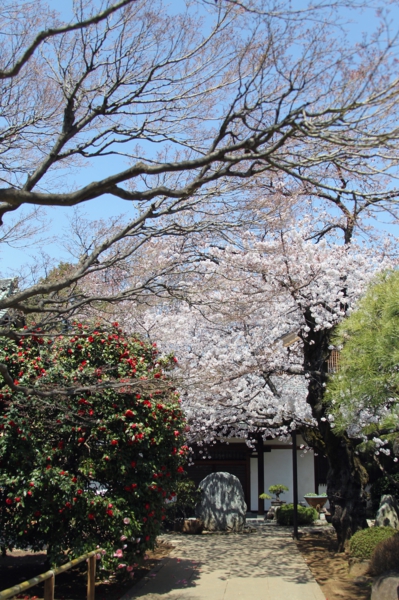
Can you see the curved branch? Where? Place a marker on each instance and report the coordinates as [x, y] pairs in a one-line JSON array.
[[48, 33]]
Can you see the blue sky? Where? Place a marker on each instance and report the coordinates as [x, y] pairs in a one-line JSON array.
[[108, 206]]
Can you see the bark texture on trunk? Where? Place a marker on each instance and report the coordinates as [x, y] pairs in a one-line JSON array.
[[346, 478]]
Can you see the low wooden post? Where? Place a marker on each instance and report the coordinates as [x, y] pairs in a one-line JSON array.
[[49, 588], [91, 576]]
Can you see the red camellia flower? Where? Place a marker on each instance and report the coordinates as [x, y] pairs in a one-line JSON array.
[[79, 492], [91, 516], [176, 433], [29, 493], [81, 440], [133, 464], [129, 413], [9, 501], [110, 513], [180, 470], [74, 479], [114, 442]]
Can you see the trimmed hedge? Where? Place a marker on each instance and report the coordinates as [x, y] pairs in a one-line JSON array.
[[363, 543], [306, 516]]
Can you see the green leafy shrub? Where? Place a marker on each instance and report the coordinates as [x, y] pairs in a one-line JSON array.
[[306, 516], [187, 497], [313, 495], [265, 496], [381, 487], [92, 467], [363, 543], [385, 556]]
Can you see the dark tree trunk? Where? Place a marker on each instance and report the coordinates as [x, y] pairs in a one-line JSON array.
[[346, 478]]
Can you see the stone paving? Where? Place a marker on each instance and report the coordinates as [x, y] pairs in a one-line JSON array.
[[263, 564]]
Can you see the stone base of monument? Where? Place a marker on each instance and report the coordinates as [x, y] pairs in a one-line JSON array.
[[192, 526]]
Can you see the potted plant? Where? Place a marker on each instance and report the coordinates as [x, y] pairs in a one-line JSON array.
[[277, 490], [316, 501]]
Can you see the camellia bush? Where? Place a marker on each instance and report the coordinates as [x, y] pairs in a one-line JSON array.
[[91, 445]]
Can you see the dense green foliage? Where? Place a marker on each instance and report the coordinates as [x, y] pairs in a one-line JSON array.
[[364, 392], [306, 515], [187, 497], [384, 486], [363, 543], [92, 467]]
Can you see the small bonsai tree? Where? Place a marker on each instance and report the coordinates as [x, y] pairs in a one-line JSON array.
[[278, 489]]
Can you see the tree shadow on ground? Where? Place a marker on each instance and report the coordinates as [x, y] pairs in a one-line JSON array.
[[261, 554]]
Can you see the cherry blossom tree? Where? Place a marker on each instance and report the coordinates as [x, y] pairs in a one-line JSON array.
[[189, 105], [189, 111], [253, 343]]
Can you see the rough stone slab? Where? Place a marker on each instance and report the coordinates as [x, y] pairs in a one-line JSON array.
[[388, 513], [222, 506], [386, 587]]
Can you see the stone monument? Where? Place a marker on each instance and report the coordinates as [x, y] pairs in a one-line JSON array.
[[388, 513], [222, 506]]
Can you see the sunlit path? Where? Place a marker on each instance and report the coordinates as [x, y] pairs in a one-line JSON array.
[[265, 565]]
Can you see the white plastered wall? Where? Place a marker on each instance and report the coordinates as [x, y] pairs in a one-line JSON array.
[[278, 469]]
